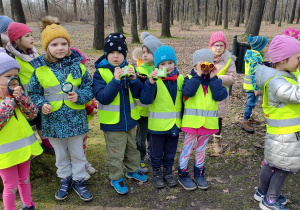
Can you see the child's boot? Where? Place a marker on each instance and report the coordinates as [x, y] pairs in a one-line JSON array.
[[24, 207], [64, 188], [158, 178], [168, 177], [199, 177], [246, 126], [217, 146], [184, 179], [80, 188]]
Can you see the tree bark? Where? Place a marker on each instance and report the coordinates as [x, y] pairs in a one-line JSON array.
[[247, 11], [285, 10], [242, 17], [165, 26], [46, 7], [143, 21], [256, 15], [98, 43], [196, 12], [273, 11], [225, 14], [291, 20], [88, 7], [12, 9], [134, 32], [298, 14], [205, 13], [117, 16], [138, 10], [217, 12], [1, 8], [238, 14], [281, 13], [172, 13], [220, 12], [75, 9], [19, 12]]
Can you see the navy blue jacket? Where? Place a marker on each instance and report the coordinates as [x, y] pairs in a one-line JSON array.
[[190, 86], [106, 93]]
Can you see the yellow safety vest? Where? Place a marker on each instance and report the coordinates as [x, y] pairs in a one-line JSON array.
[[110, 114], [224, 70], [17, 141], [296, 73], [200, 110], [282, 120], [25, 72], [52, 88], [247, 85], [163, 114]]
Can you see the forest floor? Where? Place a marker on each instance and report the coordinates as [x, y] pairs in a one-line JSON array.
[[232, 177]]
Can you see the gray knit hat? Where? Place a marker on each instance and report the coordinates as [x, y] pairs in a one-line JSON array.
[[152, 44], [203, 55], [6, 62]]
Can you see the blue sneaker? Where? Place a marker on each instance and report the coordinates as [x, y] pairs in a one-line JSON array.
[[139, 176], [24, 207], [64, 188], [265, 205], [259, 196], [119, 186], [184, 179], [199, 177], [80, 188]]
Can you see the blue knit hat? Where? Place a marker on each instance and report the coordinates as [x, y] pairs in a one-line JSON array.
[[164, 53], [4, 22], [257, 42]]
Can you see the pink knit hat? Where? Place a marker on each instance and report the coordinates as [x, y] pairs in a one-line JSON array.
[[16, 30], [283, 47], [217, 37], [292, 32]]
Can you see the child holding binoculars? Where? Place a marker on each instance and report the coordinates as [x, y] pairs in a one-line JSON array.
[[201, 90]]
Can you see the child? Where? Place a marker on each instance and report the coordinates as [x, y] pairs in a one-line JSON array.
[[164, 121], [117, 112], [202, 89], [281, 109], [15, 149], [226, 71], [4, 22], [137, 55], [21, 48], [145, 69], [252, 58], [64, 119]]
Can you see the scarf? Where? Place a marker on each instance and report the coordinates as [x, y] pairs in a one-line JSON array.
[[20, 55]]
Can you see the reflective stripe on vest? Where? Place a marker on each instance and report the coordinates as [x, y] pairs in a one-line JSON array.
[[17, 144], [247, 84], [52, 88], [143, 108], [284, 120], [224, 71], [138, 103], [110, 114], [25, 73], [163, 113], [200, 110]]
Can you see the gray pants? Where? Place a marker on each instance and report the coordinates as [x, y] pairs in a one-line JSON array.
[[271, 181], [65, 167]]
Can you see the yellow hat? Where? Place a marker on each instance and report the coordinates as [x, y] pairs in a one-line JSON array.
[[54, 31]]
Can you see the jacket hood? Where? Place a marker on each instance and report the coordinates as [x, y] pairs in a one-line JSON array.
[[226, 55], [252, 53]]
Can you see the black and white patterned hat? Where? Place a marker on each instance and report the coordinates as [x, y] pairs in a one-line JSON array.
[[115, 42]]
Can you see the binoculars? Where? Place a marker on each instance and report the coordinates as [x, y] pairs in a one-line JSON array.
[[125, 74], [207, 65], [162, 73]]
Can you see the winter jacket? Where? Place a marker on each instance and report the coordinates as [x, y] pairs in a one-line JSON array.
[[65, 122], [282, 150], [227, 79], [105, 94]]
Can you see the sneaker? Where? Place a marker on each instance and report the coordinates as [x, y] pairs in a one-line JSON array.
[[254, 122], [143, 168], [246, 126], [87, 176], [64, 188], [139, 176], [90, 169], [169, 178], [265, 205], [199, 177], [158, 178], [81, 190], [184, 179], [259, 196], [119, 186], [24, 207]]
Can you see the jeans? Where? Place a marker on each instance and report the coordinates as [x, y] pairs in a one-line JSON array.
[[250, 105]]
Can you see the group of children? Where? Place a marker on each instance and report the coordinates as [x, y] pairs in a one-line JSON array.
[[135, 105]]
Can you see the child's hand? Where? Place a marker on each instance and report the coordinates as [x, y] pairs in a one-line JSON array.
[[130, 70], [118, 73], [257, 93], [213, 72], [95, 111], [153, 74], [17, 91], [198, 69], [46, 109], [73, 97]]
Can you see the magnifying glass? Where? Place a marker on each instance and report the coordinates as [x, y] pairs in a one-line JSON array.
[[67, 87], [11, 84]]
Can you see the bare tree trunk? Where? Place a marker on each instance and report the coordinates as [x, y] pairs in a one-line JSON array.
[[99, 24], [291, 20], [124, 7], [46, 7], [247, 11], [242, 12], [134, 32], [256, 14], [1, 10], [88, 7], [196, 13], [75, 9], [238, 14], [298, 14], [138, 10], [182, 11], [220, 13], [217, 12], [29, 7], [12, 9], [273, 11], [143, 21], [205, 13], [225, 14], [165, 26], [285, 10], [281, 13], [172, 13], [117, 16], [19, 12]]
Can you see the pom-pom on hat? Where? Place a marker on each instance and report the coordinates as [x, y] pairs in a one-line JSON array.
[[4, 22], [164, 53], [115, 42], [217, 37], [16, 30], [51, 29], [283, 47], [292, 32], [152, 43], [257, 42], [144, 35], [203, 55], [7, 63]]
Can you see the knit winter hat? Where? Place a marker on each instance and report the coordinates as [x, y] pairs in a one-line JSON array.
[[6, 62], [144, 35], [202, 56], [292, 32], [115, 42], [257, 42], [54, 31], [152, 43], [16, 30], [164, 53], [217, 37], [283, 47], [4, 22]]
